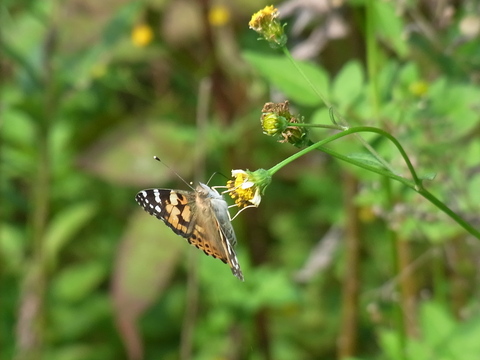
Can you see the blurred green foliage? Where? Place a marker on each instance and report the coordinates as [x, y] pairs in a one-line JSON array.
[[86, 274]]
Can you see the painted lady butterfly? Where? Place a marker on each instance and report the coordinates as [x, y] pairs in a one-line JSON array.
[[200, 216]]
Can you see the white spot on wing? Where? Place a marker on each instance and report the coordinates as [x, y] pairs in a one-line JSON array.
[[157, 195]]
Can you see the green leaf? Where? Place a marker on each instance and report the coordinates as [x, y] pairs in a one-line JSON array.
[[428, 176], [367, 159], [437, 324], [82, 67], [348, 84], [443, 337], [12, 248], [408, 74], [386, 79], [391, 344], [79, 351], [464, 343], [390, 26], [454, 109], [77, 282], [122, 23], [282, 73], [471, 154], [63, 228], [405, 77], [70, 321], [473, 189], [273, 289], [320, 116], [20, 128], [23, 37]]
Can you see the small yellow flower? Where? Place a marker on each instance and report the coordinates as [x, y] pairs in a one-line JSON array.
[[262, 18], [99, 70], [418, 88], [273, 124], [247, 187], [275, 118], [265, 23], [218, 15], [366, 214], [142, 35]]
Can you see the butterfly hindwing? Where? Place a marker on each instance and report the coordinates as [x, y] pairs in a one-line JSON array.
[[218, 230], [200, 216]]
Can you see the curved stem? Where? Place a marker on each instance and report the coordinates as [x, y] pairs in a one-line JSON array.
[[353, 130], [438, 203], [332, 110], [323, 126], [319, 146], [416, 184], [319, 94]]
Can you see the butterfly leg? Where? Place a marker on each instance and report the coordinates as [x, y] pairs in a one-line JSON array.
[[239, 211]]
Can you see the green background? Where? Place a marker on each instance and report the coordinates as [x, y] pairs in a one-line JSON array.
[[338, 262]]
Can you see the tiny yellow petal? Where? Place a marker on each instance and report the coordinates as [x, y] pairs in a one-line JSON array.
[[99, 70], [142, 35], [218, 15], [265, 23], [418, 88], [266, 14], [247, 186]]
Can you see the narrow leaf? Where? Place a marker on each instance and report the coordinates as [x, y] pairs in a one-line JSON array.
[[64, 226], [282, 73]]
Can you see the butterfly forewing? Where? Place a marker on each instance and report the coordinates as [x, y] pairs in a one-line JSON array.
[[175, 207], [200, 216]]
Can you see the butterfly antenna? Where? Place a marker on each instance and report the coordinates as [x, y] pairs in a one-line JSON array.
[[217, 173], [169, 168]]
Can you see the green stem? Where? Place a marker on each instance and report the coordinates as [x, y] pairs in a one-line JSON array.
[[353, 130], [324, 126], [416, 184], [327, 103], [393, 240], [430, 197], [373, 56], [319, 146], [319, 94], [362, 140]]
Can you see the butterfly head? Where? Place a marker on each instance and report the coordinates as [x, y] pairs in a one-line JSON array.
[[208, 192]]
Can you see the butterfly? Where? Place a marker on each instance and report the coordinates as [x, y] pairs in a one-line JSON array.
[[201, 216]]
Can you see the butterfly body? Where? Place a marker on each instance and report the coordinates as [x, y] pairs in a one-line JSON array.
[[200, 216]]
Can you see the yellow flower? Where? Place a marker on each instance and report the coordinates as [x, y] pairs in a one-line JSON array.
[[275, 118], [418, 88], [265, 23], [99, 70], [247, 187], [218, 15], [142, 35], [273, 124], [262, 17]]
